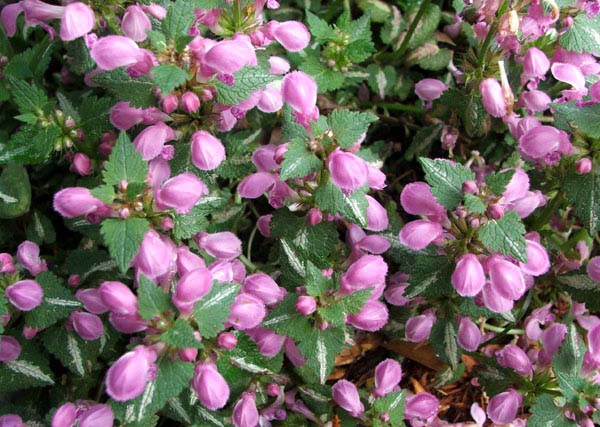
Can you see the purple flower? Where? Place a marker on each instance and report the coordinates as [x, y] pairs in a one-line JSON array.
[[76, 201], [245, 413], [10, 349], [207, 151], [135, 23], [492, 97], [182, 193], [348, 171], [222, 245], [515, 358], [112, 52], [118, 298], [87, 325], [469, 335], [468, 277], [126, 379], [422, 406], [210, 386], [420, 233], [387, 377], [28, 255], [372, 317], [346, 396], [503, 407], [418, 328], [24, 294], [292, 35]]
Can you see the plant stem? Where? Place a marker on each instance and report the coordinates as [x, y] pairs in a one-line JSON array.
[[396, 106], [503, 330], [413, 26], [251, 266]]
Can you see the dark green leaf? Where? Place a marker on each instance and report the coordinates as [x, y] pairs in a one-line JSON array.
[[125, 88], [320, 348], [74, 352], [168, 77], [546, 414], [446, 180], [152, 299], [29, 98], [213, 309], [180, 335], [124, 163], [298, 161], [498, 181], [15, 191], [245, 82], [123, 238], [583, 35], [583, 191], [353, 206], [57, 304], [348, 126], [505, 235]]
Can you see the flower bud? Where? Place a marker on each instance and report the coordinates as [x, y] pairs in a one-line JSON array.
[[430, 89], [169, 103], [387, 377], [87, 325], [155, 10], [469, 335], [191, 288], [97, 416], [418, 328], [535, 64], [118, 298], [492, 97], [7, 264], [299, 90], [156, 256], [229, 56], [278, 65], [255, 185], [593, 268], [377, 217], [28, 255], [346, 396], [416, 199], [30, 333], [78, 19], [91, 300], [372, 317], [422, 406], [210, 386], [222, 245], [470, 187], [81, 164], [115, 51], [126, 379], [539, 141], [535, 101], [292, 35], [506, 278], [515, 358], [268, 342], [583, 166], [124, 117], [368, 271], [503, 407], [10, 349], [245, 413], [135, 23], [207, 151], [182, 193], [468, 277], [24, 294], [494, 300], [75, 201], [270, 100], [247, 312], [551, 339], [306, 305], [127, 323], [187, 261], [262, 286], [65, 415], [151, 141], [227, 340], [538, 262], [420, 233], [190, 103], [348, 171], [273, 390]]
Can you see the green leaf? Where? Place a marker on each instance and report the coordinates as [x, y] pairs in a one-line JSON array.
[[474, 204], [95, 116], [354, 302], [443, 340], [423, 141], [28, 118], [298, 161], [78, 56], [179, 19], [15, 191], [320, 348], [583, 289], [157, 40], [393, 405], [213, 309], [446, 180], [152, 299], [285, 320], [497, 181], [172, 378], [123, 238], [393, 27], [319, 28], [426, 26], [586, 119], [333, 314], [381, 79], [567, 365], [239, 147], [583, 191], [29, 370], [546, 414], [40, 229], [583, 35], [291, 130], [245, 356], [138, 91], [105, 192], [438, 61], [58, 302], [90, 264], [316, 283], [327, 78], [180, 335], [32, 63], [352, 206], [30, 145], [29, 98], [245, 82], [75, 353], [506, 235], [168, 77], [348, 126], [189, 224], [124, 163]]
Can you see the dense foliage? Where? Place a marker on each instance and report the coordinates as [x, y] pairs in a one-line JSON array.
[[253, 213]]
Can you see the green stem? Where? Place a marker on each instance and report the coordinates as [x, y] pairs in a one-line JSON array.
[[249, 251], [249, 264], [395, 106], [347, 6], [503, 330], [413, 26]]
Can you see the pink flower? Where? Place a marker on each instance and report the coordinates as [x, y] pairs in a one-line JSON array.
[[135, 23], [346, 396], [126, 379], [493, 97], [468, 277], [112, 52], [420, 233], [299, 90], [207, 151], [292, 35], [182, 193], [348, 171], [24, 294], [210, 386], [387, 377]]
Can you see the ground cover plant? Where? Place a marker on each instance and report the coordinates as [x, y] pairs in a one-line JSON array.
[[300, 213]]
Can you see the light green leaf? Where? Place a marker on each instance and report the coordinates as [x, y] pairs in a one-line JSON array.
[[321, 31], [498, 181], [58, 302], [474, 204], [124, 163], [446, 180], [168, 77], [348, 126], [586, 119], [546, 414], [353, 206], [298, 161], [583, 35], [213, 309], [180, 335], [152, 299], [245, 82], [320, 348], [583, 191], [316, 283], [15, 191], [505, 235], [393, 405], [29, 98], [123, 238]]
